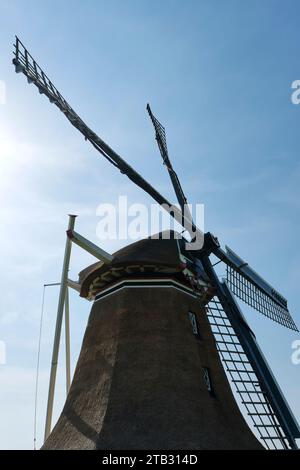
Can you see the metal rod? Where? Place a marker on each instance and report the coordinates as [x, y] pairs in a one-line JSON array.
[[74, 285], [90, 247], [67, 340], [60, 311]]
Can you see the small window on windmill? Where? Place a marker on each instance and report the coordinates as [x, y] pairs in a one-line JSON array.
[[194, 324], [207, 380]]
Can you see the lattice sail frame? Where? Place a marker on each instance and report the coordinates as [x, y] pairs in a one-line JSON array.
[[160, 135], [25, 63], [252, 289], [244, 380], [257, 299]]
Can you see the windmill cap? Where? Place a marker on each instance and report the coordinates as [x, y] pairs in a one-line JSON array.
[[159, 253]]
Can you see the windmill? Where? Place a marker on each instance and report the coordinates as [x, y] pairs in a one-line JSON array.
[[234, 342]]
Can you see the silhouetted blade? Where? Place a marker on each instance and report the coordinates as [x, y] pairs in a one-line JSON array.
[[252, 393], [25, 63], [252, 289], [160, 135]]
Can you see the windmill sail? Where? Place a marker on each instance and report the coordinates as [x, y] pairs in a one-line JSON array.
[[244, 282], [160, 135], [252, 289], [25, 63], [244, 380], [256, 384], [279, 409]]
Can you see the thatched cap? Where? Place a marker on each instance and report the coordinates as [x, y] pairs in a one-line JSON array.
[[155, 254]]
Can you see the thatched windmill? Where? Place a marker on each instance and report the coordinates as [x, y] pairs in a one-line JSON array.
[[162, 332]]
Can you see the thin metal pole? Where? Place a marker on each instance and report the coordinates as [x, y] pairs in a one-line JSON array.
[[67, 341], [60, 311], [37, 368]]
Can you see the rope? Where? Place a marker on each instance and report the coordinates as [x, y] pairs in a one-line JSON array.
[[37, 368], [38, 361]]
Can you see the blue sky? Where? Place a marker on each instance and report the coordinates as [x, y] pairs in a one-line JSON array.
[[218, 75]]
